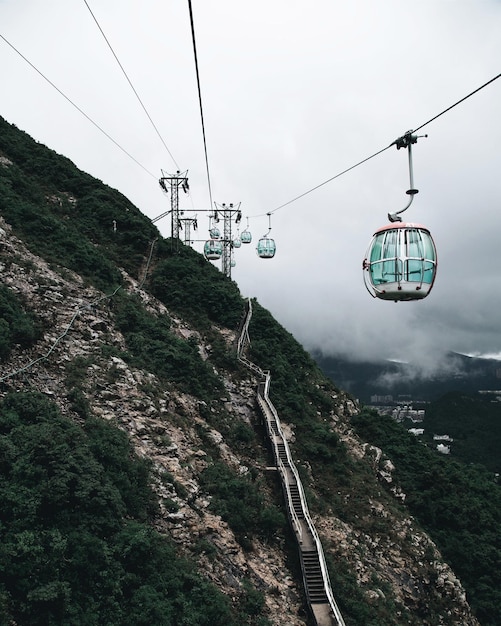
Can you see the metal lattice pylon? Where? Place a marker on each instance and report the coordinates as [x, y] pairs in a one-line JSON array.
[[230, 213], [172, 182]]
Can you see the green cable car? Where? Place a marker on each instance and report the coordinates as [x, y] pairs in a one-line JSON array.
[[213, 249], [246, 236], [266, 248], [401, 262]]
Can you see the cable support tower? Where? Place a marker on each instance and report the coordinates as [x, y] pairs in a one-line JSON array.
[[231, 213], [172, 183], [189, 223]]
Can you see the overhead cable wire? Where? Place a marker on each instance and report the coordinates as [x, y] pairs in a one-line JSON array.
[[200, 99], [328, 181], [379, 152], [456, 103], [130, 83], [77, 107]]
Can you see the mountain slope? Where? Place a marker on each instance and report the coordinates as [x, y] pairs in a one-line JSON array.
[[124, 334]]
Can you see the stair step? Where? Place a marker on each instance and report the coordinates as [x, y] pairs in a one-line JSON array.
[[274, 426], [313, 577]]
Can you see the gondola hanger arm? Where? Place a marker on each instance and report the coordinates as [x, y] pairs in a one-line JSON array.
[[406, 141], [269, 225]]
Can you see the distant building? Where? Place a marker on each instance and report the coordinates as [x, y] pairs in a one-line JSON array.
[[381, 399], [442, 438], [443, 449], [495, 393], [416, 431], [407, 412]]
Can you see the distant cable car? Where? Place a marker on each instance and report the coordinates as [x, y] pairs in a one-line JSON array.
[[266, 247], [246, 236], [237, 242], [213, 249], [401, 261], [214, 231]]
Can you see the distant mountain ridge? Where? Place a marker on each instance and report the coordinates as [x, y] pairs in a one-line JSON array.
[[409, 382]]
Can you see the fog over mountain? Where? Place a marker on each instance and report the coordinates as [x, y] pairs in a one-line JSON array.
[[411, 382]]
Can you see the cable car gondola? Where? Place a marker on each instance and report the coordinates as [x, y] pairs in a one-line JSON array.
[[266, 247], [401, 261], [213, 249], [246, 236], [214, 231]]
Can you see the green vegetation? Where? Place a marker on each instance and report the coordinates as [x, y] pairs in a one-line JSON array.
[[332, 480], [354, 606], [240, 502], [75, 544], [17, 326], [302, 396], [460, 510], [298, 385], [187, 284], [459, 505], [68, 217], [153, 346], [473, 421]]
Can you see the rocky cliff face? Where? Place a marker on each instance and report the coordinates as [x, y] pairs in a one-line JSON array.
[[401, 569]]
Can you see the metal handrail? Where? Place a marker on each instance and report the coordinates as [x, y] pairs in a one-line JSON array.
[[283, 470], [308, 520], [269, 413]]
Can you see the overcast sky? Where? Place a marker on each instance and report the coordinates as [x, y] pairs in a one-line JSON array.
[[294, 92]]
